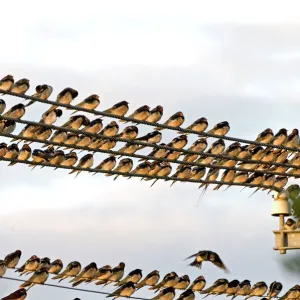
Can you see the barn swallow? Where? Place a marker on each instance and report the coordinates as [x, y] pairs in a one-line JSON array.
[[265, 136], [165, 171], [198, 284], [199, 125], [11, 260], [19, 294], [72, 269], [72, 139], [142, 169], [107, 164], [293, 293], [16, 112], [151, 138], [57, 137], [165, 294], [281, 156], [269, 155], [280, 182], [129, 133], [126, 290], [12, 151], [75, 122], [85, 162], [183, 283], [2, 106], [227, 176], [293, 139], [39, 277], [91, 102], [269, 180], [155, 114], [44, 263], [102, 274], [155, 168], [187, 295], [116, 274], [2, 268], [233, 287], [128, 149], [110, 129], [150, 280], [233, 149], [217, 147], [198, 146], [3, 149], [274, 289], [245, 152], [119, 109], [141, 114], [295, 161], [27, 131], [87, 273], [178, 142], [84, 141], [219, 287], [50, 117], [125, 166], [7, 82], [133, 276], [21, 86], [55, 267], [43, 92], [212, 175], [279, 137], [42, 133], [255, 179], [221, 129], [174, 121], [38, 156], [23, 154], [94, 127], [290, 224], [170, 280], [156, 152], [184, 172], [106, 144], [244, 290], [278, 169], [258, 290]]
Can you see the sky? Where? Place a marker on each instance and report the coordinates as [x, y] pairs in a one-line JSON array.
[[225, 60]]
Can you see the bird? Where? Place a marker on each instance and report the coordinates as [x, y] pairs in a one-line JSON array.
[[72, 270], [50, 117], [21, 86], [107, 164], [55, 267], [85, 162], [87, 272], [216, 147], [2, 106], [269, 180], [41, 133], [292, 139], [151, 138], [198, 284], [11, 260], [125, 166], [233, 287], [164, 171], [290, 224], [24, 154], [128, 148], [211, 175], [19, 294], [3, 149], [244, 290], [91, 102], [27, 131], [199, 125], [198, 146], [170, 280], [220, 129], [274, 289], [233, 149], [178, 142], [227, 176], [119, 109], [103, 274], [16, 112], [133, 276], [31, 265], [150, 280], [265, 136], [175, 120], [155, 114], [40, 276], [187, 295], [197, 173], [45, 263], [156, 152], [129, 133], [280, 137], [106, 144], [165, 294], [110, 129], [184, 172], [140, 114], [219, 287], [258, 290], [2, 268], [116, 274], [84, 141], [126, 290], [155, 168], [71, 139], [292, 293], [254, 179], [280, 182], [183, 283], [6, 83], [141, 169], [43, 92], [38, 156], [206, 255], [95, 126], [12, 151], [75, 122]]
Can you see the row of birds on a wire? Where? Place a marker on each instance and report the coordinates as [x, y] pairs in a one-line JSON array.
[[125, 287]]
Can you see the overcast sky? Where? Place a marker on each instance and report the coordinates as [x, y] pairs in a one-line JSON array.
[[225, 60]]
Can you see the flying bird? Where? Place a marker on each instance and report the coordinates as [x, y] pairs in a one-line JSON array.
[[174, 121], [150, 280], [91, 102], [119, 109], [21, 86], [85, 162], [126, 290], [11, 260], [19, 294], [72, 270]]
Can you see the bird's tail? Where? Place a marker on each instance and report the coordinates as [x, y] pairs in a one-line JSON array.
[[77, 283], [254, 192], [153, 182], [100, 282], [58, 276], [51, 108], [9, 165], [217, 187], [73, 171], [30, 103], [172, 183], [25, 284], [196, 264]]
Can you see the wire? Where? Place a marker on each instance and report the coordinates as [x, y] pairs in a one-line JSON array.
[[95, 112]]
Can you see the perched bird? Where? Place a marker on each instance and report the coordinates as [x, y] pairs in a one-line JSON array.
[[27, 131], [2, 106], [58, 137], [126, 290], [103, 274], [178, 142], [217, 147], [39, 277], [206, 255], [129, 132], [228, 176], [255, 179], [274, 289], [269, 180], [233, 149], [258, 290], [94, 127], [174, 121], [221, 129], [198, 284], [19, 294], [279, 137], [12, 151], [280, 182], [107, 164], [151, 138], [42, 133], [43, 92], [106, 144], [155, 114], [24, 154], [45, 263], [31, 265], [141, 114], [266, 136], [55, 267], [2, 268], [219, 287], [290, 224], [164, 171], [38, 156], [85, 162], [91, 102], [244, 290], [11, 260], [293, 293], [187, 295], [199, 125], [170, 280], [197, 173], [212, 175], [75, 122], [72, 269], [50, 117], [84, 141], [183, 283], [87, 273], [116, 274], [110, 129], [184, 172], [293, 139], [128, 148], [165, 294], [119, 109], [72, 139], [3, 149], [6, 83], [199, 145], [157, 152], [233, 287], [150, 280], [21, 86], [155, 168], [16, 112], [142, 169], [125, 166], [133, 276]]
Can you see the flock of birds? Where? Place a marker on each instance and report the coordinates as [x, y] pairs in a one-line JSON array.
[[92, 136], [126, 286]]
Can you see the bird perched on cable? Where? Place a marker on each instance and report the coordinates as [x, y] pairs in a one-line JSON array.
[[107, 164], [2, 268], [57, 137], [269, 180], [84, 141], [183, 283], [197, 173], [228, 176], [38, 156], [155, 114], [221, 129], [150, 280], [133, 276], [255, 179], [21, 86], [106, 144], [87, 273], [233, 287], [165, 294], [216, 148], [155, 168], [7, 82], [178, 142], [174, 121], [170, 280], [206, 255], [55, 267], [43, 92], [40, 276], [274, 289], [75, 122], [72, 139], [151, 138], [50, 117], [85, 162], [125, 166], [72, 270], [165, 170], [20, 294], [129, 133], [110, 129], [265, 136], [102, 274], [11, 260], [41, 133], [12, 151], [183, 172], [119, 109], [280, 182], [16, 112], [128, 148], [91, 102], [95, 126], [141, 114], [211, 175], [44, 263], [199, 145], [219, 287], [156, 152], [244, 290], [116, 274], [187, 295], [27, 131], [290, 224], [258, 290], [126, 290], [142, 169], [3, 149], [293, 293], [280, 137], [199, 125], [292, 140], [198, 284], [2, 106], [24, 154]]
